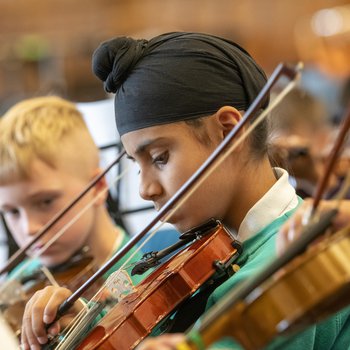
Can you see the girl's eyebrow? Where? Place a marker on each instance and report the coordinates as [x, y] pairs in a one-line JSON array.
[[146, 144], [142, 147]]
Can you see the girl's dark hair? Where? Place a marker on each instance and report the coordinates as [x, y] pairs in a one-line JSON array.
[[199, 130], [258, 137]]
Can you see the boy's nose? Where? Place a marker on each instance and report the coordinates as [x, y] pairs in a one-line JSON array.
[[31, 226]]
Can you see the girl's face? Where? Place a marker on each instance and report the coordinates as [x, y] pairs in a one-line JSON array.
[[28, 205], [167, 156]]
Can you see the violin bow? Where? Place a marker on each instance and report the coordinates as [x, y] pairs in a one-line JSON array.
[[281, 70], [331, 160], [20, 253]]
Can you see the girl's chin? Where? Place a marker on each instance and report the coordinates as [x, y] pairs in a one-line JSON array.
[[183, 226]]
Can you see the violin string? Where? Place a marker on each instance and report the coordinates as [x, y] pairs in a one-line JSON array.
[[69, 341], [67, 335], [241, 138], [58, 234]]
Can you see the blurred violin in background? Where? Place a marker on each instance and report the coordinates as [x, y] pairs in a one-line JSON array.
[[70, 274], [302, 136]]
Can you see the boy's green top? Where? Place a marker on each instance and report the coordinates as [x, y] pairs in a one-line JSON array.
[[334, 333]]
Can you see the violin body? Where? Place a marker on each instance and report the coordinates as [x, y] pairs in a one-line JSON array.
[[134, 317], [69, 274], [310, 288]]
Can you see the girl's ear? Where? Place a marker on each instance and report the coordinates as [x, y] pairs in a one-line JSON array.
[[100, 186], [227, 117]]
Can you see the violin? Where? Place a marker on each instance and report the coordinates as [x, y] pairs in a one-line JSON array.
[[294, 154], [69, 274], [311, 287], [300, 163], [212, 251]]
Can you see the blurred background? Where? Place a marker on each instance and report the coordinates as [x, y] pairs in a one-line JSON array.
[[46, 45], [46, 48]]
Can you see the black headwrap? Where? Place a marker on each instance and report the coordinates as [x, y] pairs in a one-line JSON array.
[[175, 77]]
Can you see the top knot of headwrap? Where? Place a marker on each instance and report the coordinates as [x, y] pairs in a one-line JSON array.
[[115, 59], [175, 77]]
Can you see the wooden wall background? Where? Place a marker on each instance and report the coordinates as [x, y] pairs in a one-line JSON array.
[[46, 45]]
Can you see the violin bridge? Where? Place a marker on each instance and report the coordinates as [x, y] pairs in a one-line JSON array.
[[119, 284]]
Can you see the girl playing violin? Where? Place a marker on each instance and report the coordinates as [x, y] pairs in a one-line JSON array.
[[47, 158], [177, 97]]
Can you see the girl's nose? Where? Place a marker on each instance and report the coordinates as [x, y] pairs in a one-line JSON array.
[[149, 189]]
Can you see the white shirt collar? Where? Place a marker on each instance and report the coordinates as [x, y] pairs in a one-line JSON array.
[[279, 199]]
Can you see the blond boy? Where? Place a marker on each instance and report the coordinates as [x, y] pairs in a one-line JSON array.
[[47, 158]]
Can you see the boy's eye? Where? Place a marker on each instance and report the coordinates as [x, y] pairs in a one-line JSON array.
[[45, 203], [10, 212]]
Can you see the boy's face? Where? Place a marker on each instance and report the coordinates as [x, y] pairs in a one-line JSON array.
[[28, 205], [167, 156]]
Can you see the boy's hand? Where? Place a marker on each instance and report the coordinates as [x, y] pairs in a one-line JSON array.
[[292, 229], [163, 342], [40, 311]]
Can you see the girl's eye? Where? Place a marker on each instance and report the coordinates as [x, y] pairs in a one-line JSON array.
[[161, 159]]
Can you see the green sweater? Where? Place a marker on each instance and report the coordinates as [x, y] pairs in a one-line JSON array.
[[334, 333]]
